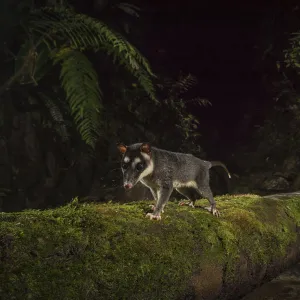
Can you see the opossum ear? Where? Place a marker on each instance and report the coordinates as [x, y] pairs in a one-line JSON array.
[[122, 148], [146, 148]]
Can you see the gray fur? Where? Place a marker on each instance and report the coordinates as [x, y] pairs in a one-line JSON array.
[[162, 171]]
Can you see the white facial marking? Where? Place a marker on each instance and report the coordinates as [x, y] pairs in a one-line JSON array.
[[126, 159], [149, 169], [136, 161], [146, 156]]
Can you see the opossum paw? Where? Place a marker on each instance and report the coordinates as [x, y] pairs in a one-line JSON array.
[[183, 203], [192, 205], [214, 211], [153, 217], [152, 206]]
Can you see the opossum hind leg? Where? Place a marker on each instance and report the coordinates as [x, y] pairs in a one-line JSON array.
[[207, 193], [190, 193]]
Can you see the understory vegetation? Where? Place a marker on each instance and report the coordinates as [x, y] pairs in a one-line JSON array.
[[73, 87], [75, 83], [277, 137]]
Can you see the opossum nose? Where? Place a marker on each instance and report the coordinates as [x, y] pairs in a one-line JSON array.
[[127, 185]]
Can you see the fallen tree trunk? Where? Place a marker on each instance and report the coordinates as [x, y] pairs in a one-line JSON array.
[[110, 251]]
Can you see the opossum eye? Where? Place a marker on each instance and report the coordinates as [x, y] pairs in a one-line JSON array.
[[125, 166], [139, 167]]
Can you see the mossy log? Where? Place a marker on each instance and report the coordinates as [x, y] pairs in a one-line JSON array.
[[111, 251]]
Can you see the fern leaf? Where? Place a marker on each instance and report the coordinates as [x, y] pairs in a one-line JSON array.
[[83, 32], [185, 82], [83, 94], [128, 8], [200, 101], [56, 116]]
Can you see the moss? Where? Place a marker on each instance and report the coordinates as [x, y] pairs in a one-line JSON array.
[[110, 251]]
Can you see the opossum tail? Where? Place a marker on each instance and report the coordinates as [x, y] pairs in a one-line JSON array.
[[220, 164]]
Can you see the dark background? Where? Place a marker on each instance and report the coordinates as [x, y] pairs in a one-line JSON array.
[[233, 48], [215, 42], [221, 43]]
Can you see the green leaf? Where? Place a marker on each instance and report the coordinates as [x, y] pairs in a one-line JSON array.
[[85, 33], [83, 94]]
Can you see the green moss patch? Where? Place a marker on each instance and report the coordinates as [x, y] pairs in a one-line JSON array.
[[111, 251]]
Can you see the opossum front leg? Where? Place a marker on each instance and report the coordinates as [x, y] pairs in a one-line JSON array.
[[163, 194], [154, 194]]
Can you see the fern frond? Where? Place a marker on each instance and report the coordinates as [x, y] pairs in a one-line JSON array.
[[184, 83], [200, 101], [82, 32], [292, 54], [129, 8], [80, 83], [56, 116]]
